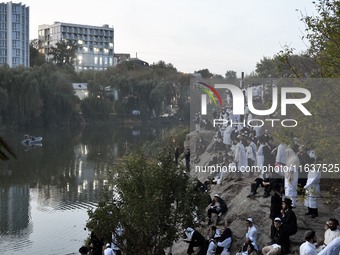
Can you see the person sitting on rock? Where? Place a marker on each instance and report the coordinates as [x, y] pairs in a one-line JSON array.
[[224, 243], [331, 233], [218, 206], [245, 248], [308, 247], [280, 238], [332, 248], [251, 231], [213, 244], [194, 238]]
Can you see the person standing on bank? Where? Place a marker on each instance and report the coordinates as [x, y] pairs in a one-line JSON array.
[[312, 189], [291, 175]]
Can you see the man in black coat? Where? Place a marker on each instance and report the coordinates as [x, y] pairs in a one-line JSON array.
[[280, 237], [289, 217], [196, 240], [276, 202]]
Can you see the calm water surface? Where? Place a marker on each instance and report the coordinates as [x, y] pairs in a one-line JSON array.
[[46, 192]]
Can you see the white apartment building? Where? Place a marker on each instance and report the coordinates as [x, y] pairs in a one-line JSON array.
[[95, 44], [14, 34]]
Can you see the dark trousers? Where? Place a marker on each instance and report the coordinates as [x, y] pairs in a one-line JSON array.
[[254, 186], [211, 211], [193, 244]]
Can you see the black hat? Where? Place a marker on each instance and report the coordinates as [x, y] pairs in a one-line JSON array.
[[83, 250], [288, 201]]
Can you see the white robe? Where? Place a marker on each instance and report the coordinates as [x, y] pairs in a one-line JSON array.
[[313, 189], [226, 136], [291, 188], [281, 154], [332, 248], [240, 157], [260, 157], [212, 248]]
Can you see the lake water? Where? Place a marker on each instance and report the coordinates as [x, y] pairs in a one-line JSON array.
[[45, 193]]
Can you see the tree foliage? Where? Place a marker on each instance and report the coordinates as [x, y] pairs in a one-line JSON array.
[[36, 58], [40, 95], [143, 202], [231, 74], [205, 73], [320, 131], [64, 53]]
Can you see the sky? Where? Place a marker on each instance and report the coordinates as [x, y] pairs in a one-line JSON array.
[[219, 35]]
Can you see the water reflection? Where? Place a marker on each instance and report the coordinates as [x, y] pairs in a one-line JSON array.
[[51, 187]]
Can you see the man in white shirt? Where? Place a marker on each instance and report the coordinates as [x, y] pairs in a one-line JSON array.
[[308, 247], [331, 233], [251, 230], [108, 250]]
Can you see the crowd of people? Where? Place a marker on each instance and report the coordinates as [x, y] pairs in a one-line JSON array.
[[240, 151]]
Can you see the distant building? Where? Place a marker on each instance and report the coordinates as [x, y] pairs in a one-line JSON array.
[[14, 34], [95, 44], [121, 57], [138, 61], [80, 90]]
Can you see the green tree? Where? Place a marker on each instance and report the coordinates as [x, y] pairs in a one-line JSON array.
[[231, 74], [36, 58], [323, 34], [64, 53], [145, 205], [205, 73]]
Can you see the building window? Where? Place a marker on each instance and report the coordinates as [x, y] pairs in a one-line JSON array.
[[96, 50], [3, 43], [15, 61], [16, 35], [3, 35], [80, 42], [15, 44], [96, 60], [106, 51], [85, 49], [111, 45], [100, 61], [111, 63], [3, 53], [2, 18], [105, 61], [80, 58]]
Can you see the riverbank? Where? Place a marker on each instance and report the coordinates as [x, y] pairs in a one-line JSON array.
[[258, 208]]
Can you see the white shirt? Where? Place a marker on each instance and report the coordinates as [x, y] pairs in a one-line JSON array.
[[330, 235], [211, 248], [307, 248], [109, 251], [225, 244], [332, 248], [252, 232]]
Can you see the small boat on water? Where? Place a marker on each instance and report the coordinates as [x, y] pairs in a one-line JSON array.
[[32, 140]]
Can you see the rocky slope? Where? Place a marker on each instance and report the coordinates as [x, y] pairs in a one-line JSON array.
[[240, 207]]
